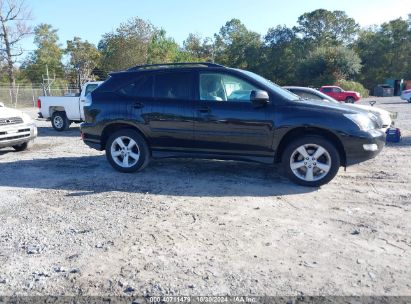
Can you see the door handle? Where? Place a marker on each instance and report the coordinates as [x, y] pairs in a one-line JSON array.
[[204, 109], [138, 105]]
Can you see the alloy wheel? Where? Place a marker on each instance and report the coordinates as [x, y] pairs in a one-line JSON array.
[[310, 162], [125, 152]]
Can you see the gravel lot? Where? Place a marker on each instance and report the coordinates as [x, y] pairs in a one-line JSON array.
[[71, 225]]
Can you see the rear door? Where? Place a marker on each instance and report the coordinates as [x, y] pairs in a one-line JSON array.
[[226, 121], [167, 115]]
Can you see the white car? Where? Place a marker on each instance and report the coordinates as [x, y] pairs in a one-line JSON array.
[[406, 95], [386, 118], [63, 110], [17, 129]]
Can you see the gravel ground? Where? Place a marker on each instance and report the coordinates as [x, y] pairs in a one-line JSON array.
[[71, 225]]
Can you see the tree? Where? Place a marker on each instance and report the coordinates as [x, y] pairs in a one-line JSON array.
[[236, 46], [84, 58], [47, 55], [127, 46], [327, 65], [199, 49], [162, 49], [13, 15], [326, 28], [385, 52], [282, 51]]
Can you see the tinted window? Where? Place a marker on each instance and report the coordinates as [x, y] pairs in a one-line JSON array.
[[141, 87], [327, 90], [177, 85], [222, 87], [337, 90]]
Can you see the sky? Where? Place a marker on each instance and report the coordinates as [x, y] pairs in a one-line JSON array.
[[90, 19]]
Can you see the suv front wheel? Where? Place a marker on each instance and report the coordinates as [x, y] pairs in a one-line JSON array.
[[127, 151], [311, 161]]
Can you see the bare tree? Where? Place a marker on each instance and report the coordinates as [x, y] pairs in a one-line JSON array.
[[13, 28]]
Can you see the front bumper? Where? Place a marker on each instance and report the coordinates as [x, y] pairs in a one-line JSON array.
[[364, 146], [13, 135]]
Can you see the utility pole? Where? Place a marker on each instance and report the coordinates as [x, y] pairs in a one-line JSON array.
[[47, 82]]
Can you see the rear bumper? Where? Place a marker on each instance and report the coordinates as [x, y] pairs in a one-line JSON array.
[[365, 146], [90, 137], [13, 135]]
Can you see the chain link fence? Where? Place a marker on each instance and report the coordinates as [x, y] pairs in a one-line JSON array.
[[26, 96]]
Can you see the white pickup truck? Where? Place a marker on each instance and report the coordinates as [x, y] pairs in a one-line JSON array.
[[62, 111]]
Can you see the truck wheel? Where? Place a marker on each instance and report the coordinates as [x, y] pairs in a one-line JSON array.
[[60, 122], [127, 151], [349, 100], [311, 161], [23, 146]]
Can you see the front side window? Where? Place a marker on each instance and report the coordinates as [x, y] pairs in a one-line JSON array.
[[327, 90], [222, 87], [175, 85], [336, 90]]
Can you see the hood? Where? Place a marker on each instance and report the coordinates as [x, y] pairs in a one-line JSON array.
[[337, 107], [8, 112], [352, 92]]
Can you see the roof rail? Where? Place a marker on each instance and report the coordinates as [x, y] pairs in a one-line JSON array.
[[176, 64]]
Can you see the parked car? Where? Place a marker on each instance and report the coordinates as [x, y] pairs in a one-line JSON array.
[[406, 95], [195, 110], [64, 110], [385, 118], [17, 129], [339, 94]]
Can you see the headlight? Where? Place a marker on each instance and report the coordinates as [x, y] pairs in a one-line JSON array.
[[26, 118], [361, 120]]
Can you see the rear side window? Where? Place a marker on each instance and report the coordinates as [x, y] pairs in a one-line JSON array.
[[327, 90], [174, 85], [141, 87]]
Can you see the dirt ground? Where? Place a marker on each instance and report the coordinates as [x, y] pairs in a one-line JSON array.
[[71, 225]]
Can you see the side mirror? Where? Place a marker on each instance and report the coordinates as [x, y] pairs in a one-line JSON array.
[[259, 97]]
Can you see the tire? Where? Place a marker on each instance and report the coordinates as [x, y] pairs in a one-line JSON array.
[[297, 166], [23, 146], [349, 100], [138, 156], [60, 122]]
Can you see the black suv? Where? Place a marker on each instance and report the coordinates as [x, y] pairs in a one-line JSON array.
[[205, 110]]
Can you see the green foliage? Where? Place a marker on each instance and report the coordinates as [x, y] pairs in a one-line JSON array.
[[162, 49], [385, 52], [48, 54], [353, 86], [281, 55], [84, 58], [325, 27], [127, 46], [325, 65], [198, 49], [238, 47]]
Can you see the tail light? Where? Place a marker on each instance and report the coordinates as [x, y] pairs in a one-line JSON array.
[[38, 103]]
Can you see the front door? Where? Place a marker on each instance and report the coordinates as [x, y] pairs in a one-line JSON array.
[[226, 121]]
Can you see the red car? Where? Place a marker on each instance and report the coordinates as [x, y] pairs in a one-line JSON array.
[[341, 95]]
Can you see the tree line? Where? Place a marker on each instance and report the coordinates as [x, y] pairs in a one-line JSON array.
[[325, 47]]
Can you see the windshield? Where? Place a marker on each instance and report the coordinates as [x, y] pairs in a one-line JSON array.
[[277, 89]]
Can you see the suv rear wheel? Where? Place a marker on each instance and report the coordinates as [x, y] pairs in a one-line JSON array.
[[311, 161], [127, 151]]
